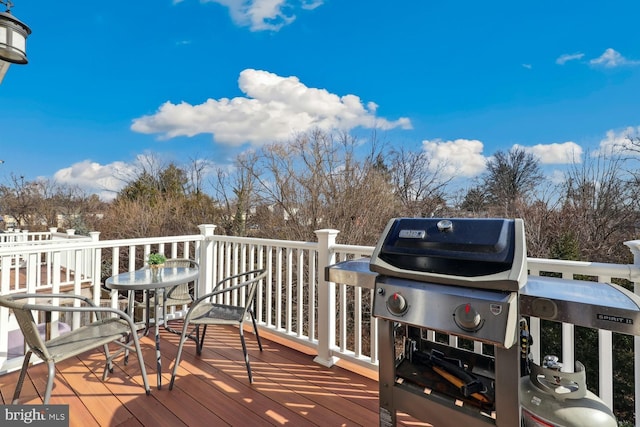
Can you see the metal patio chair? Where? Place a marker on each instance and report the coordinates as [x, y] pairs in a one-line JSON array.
[[206, 311], [107, 326]]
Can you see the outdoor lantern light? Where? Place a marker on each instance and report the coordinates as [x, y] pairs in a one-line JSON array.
[[13, 36]]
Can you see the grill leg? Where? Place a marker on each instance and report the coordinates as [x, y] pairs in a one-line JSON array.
[[507, 386], [387, 373]]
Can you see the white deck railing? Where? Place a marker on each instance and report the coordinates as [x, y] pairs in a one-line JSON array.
[[295, 302]]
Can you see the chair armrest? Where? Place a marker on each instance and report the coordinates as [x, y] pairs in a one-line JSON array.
[[259, 275], [210, 295], [52, 296], [89, 308]]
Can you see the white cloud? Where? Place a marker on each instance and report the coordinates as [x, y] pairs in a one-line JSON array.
[[95, 178], [312, 4], [464, 158], [611, 58], [458, 158], [618, 142], [274, 109], [261, 15], [562, 59], [527, 66], [557, 153]]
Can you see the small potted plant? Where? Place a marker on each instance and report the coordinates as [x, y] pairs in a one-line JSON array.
[[156, 260]]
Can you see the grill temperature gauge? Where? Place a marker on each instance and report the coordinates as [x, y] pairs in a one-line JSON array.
[[397, 304]]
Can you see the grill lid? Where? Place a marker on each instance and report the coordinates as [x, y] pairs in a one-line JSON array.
[[483, 253]]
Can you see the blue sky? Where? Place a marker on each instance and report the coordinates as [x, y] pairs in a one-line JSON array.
[[108, 83]]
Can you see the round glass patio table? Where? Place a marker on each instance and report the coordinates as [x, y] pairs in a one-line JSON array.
[[148, 280]]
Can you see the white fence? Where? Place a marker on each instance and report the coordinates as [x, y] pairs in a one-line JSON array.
[[295, 302]]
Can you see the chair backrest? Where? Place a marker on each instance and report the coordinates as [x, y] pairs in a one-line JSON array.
[[180, 262], [248, 280], [22, 311], [180, 294]]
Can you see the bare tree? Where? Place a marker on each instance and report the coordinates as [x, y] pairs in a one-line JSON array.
[[234, 191], [196, 174], [510, 178], [40, 204], [317, 181], [599, 208], [19, 199], [418, 182], [69, 207], [474, 201], [158, 202]]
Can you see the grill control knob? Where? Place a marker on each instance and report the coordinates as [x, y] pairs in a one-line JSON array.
[[467, 318], [397, 304]]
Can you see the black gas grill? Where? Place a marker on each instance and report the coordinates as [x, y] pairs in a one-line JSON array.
[[439, 281], [456, 277]]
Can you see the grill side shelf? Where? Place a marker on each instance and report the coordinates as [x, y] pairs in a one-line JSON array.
[[353, 272], [591, 304]]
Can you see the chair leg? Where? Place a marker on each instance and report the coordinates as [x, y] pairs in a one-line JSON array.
[[200, 341], [52, 374], [108, 366], [143, 370], [131, 311], [183, 338], [246, 355], [23, 373], [255, 329]]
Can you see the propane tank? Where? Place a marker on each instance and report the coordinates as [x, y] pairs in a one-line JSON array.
[[552, 398]]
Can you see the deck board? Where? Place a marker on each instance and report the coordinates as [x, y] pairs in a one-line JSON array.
[[213, 389]]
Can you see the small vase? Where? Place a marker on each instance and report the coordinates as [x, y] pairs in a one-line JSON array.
[[156, 269]]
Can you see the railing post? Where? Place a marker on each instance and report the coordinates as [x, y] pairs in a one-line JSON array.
[[326, 299], [205, 261], [634, 247]]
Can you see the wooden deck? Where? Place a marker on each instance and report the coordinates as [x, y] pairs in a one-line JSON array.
[[213, 389]]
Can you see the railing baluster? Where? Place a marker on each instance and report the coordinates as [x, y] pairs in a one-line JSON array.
[[342, 293], [269, 287], [568, 339], [300, 294], [357, 315], [312, 285], [278, 285], [373, 335], [289, 290]]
